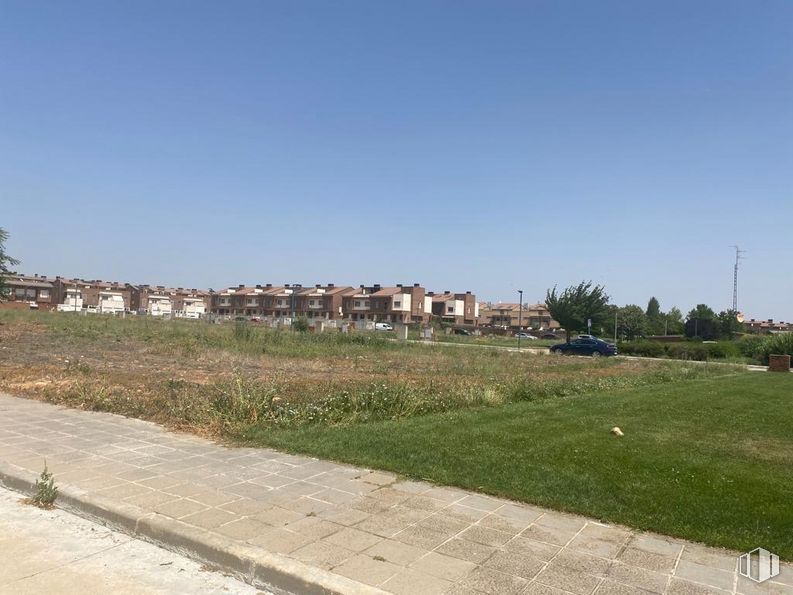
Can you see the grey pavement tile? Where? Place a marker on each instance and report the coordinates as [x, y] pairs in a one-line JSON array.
[[539, 589], [343, 516], [609, 587], [487, 580], [322, 554], [445, 567], [314, 527], [334, 496], [531, 547], [442, 522], [242, 529], [679, 586], [552, 535], [746, 586], [367, 570], [395, 552], [277, 516], [649, 560], [413, 582], [422, 537], [656, 544], [123, 490], [466, 550], [412, 487], [582, 562], [209, 518], [568, 580], [280, 540], [707, 556], [421, 502], [486, 536], [516, 563], [641, 578], [213, 497], [707, 575], [353, 539], [179, 508], [481, 502]]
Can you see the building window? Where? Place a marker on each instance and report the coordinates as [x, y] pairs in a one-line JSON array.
[[450, 309], [397, 304]]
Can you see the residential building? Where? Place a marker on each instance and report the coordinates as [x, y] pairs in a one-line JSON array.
[[456, 308], [190, 303], [766, 327], [96, 295], [36, 291], [388, 304], [511, 316]]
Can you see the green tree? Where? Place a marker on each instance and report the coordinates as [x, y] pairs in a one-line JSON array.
[[701, 312], [673, 322], [655, 319], [5, 263], [653, 309], [728, 319], [575, 305], [632, 322]]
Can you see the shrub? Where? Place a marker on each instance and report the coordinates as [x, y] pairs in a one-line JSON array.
[[781, 344], [46, 490], [300, 324]]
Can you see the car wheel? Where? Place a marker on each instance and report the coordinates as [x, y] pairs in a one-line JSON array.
[[596, 354]]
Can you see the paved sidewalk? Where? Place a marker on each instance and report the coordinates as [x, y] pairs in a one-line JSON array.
[[54, 552], [307, 525]]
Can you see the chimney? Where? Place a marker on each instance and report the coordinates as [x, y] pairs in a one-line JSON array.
[[416, 285], [467, 293], [770, 320], [447, 292], [286, 285], [331, 285], [399, 285], [430, 293], [258, 286], [240, 286], [361, 286], [317, 285], [376, 286], [269, 285]]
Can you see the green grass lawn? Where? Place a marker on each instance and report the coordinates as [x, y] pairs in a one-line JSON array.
[[709, 460]]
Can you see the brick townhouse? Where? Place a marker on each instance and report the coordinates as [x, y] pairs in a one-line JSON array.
[[766, 327], [388, 304], [509, 315], [103, 296], [34, 291], [168, 301], [457, 308]]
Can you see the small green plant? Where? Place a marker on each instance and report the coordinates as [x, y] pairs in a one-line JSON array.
[[300, 324], [46, 490]]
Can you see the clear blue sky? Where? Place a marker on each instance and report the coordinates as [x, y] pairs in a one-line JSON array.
[[488, 146]]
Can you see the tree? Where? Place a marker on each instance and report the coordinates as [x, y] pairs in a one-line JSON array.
[[653, 308], [5, 262], [632, 322], [702, 312], [655, 319], [575, 305], [728, 320], [673, 322]]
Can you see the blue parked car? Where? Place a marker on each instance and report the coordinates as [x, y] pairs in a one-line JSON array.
[[585, 346]]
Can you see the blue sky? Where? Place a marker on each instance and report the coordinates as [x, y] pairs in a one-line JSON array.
[[484, 146]]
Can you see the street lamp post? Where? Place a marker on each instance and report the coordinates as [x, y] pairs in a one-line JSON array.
[[520, 315]]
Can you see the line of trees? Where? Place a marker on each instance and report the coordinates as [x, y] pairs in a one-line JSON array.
[[573, 308]]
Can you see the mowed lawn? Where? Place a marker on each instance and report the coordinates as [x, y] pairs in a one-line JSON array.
[[708, 460]]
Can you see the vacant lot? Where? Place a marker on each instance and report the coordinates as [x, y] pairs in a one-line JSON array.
[[706, 454], [213, 377]]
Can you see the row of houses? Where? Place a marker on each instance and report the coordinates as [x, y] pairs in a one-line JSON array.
[[396, 304], [105, 297]]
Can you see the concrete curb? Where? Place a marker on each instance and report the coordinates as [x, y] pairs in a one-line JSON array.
[[253, 565]]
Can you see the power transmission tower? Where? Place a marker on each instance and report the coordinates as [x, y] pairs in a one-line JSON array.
[[738, 257]]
